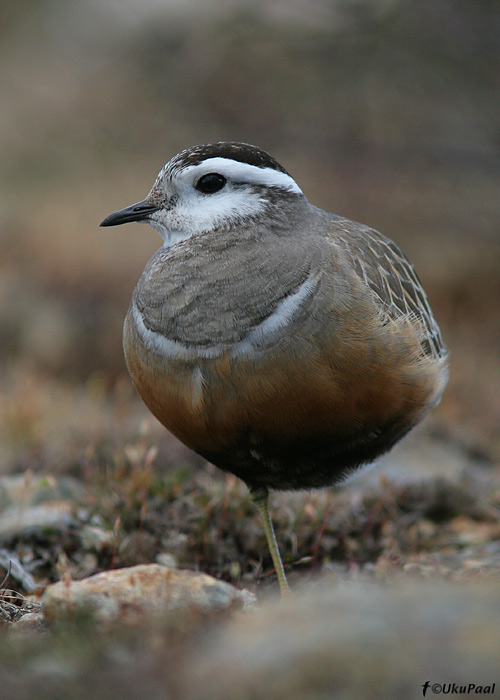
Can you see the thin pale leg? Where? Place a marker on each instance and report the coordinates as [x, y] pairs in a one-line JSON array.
[[260, 497]]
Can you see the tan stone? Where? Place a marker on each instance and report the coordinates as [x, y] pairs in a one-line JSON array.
[[128, 595]]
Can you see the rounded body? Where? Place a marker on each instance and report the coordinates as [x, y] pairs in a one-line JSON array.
[[286, 360]]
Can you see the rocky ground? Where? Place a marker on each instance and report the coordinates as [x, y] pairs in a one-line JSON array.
[[395, 576]]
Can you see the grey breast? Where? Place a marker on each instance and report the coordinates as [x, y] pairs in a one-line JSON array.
[[215, 288]]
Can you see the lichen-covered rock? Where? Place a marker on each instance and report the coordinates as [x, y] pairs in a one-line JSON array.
[[149, 590]]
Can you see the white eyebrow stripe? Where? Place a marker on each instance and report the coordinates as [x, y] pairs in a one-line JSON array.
[[257, 336], [244, 172]]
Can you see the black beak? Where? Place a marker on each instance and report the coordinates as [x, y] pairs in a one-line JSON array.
[[135, 212]]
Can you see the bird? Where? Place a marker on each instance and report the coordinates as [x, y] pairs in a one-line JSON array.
[[284, 344]]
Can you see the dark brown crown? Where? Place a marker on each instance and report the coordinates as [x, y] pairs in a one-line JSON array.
[[241, 152]]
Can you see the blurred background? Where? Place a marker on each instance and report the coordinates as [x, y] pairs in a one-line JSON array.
[[386, 112]]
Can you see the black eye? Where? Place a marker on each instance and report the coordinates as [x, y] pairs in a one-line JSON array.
[[210, 183]]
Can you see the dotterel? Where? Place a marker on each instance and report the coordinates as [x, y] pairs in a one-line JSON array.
[[284, 344]]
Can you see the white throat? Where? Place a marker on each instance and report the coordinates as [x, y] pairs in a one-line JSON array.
[[191, 215]]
